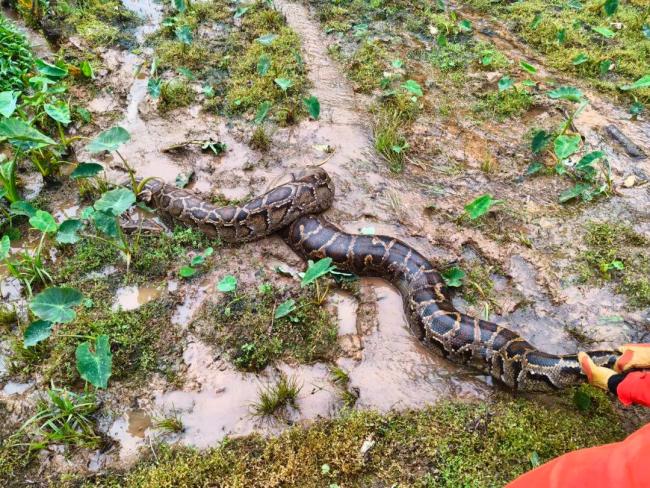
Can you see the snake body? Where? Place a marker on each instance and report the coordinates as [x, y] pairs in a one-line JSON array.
[[492, 348]]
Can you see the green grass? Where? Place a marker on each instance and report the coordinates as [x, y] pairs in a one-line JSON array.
[[451, 444], [275, 398], [504, 104], [244, 325], [174, 94]]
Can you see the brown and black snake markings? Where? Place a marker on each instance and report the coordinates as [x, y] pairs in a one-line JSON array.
[[288, 209]]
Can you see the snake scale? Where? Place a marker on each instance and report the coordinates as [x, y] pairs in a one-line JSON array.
[[289, 209]]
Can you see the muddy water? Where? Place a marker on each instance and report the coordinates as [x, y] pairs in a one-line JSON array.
[[133, 297]]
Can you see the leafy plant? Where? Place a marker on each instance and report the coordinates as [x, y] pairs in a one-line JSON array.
[[8, 180], [198, 260], [95, 366], [315, 271], [453, 277], [227, 284], [275, 399], [313, 107], [480, 206]]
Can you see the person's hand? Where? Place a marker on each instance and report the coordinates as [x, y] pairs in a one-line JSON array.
[[596, 375], [634, 356]]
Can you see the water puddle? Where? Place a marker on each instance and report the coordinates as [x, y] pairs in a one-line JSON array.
[[151, 13], [133, 297], [13, 388]]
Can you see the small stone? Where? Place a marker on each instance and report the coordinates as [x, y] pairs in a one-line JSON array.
[[366, 446], [629, 182]]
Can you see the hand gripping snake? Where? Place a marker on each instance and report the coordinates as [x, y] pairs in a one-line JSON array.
[[289, 209]]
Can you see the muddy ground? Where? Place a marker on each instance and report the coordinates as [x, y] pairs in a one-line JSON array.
[[524, 259]]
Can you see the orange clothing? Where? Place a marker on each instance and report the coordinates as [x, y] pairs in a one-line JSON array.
[[635, 388], [618, 465]]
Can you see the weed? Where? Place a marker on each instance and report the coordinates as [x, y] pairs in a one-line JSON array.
[[172, 424], [260, 140], [276, 398], [175, 94], [366, 66], [505, 104], [388, 140]]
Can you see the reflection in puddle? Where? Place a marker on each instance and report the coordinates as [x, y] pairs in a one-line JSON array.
[[14, 388], [132, 297], [138, 423]]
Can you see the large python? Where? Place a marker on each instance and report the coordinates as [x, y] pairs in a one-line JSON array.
[[288, 208]]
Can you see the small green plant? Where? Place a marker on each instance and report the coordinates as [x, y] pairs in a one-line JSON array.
[[453, 277], [171, 423], [480, 206], [274, 399], [199, 260], [315, 271]]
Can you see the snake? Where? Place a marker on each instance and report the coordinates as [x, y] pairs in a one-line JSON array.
[[291, 209]]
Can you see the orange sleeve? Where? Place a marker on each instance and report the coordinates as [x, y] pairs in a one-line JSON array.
[[635, 388], [620, 465]]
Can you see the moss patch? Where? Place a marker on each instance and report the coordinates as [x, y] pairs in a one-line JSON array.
[[175, 94]]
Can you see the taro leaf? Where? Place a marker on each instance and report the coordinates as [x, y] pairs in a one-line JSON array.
[[540, 141], [505, 83], [180, 5], [21, 207], [109, 140], [5, 247], [604, 66], [534, 168], [262, 111], [184, 34], [187, 73], [8, 100], [588, 159], [610, 6], [316, 270], [50, 70], [528, 67], [227, 284], [67, 233], [153, 87], [566, 93], [86, 170], [86, 69], [105, 223], [480, 206], [565, 145], [59, 111], [534, 459], [19, 133], [267, 40], [44, 222], [84, 114], [55, 304], [313, 107], [208, 91], [465, 25], [197, 260], [454, 277], [263, 65], [636, 108], [241, 11], [580, 59], [187, 272], [605, 32], [285, 308], [581, 189], [115, 202], [36, 332], [183, 179], [283, 83], [413, 87], [582, 400], [208, 251], [643, 82], [95, 367]]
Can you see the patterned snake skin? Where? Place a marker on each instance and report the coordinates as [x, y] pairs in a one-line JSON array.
[[494, 349]]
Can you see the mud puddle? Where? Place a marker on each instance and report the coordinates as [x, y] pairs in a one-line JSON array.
[[133, 297]]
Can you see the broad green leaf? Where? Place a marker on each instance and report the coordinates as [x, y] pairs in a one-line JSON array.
[[567, 93], [187, 73], [588, 159], [534, 168], [313, 107], [59, 111], [285, 308], [115, 202], [527, 67], [465, 25], [643, 82], [197, 260], [55, 304], [36, 332], [105, 223], [267, 40], [67, 233], [561, 36], [21, 207], [153, 87], [397, 64], [187, 272], [263, 65], [20, 134], [180, 6], [227, 284], [605, 32], [536, 21], [8, 100], [574, 192], [84, 114], [50, 70], [262, 111], [566, 145], [610, 6], [316, 270], [208, 91], [636, 108], [44, 222], [540, 141], [208, 251], [604, 66], [5, 247], [184, 34], [241, 11], [454, 277], [86, 170], [580, 59], [95, 366], [480, 206], [505, 83], [534, 459], [86, 69], [109, 140], [413, 87], [283, 83]]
